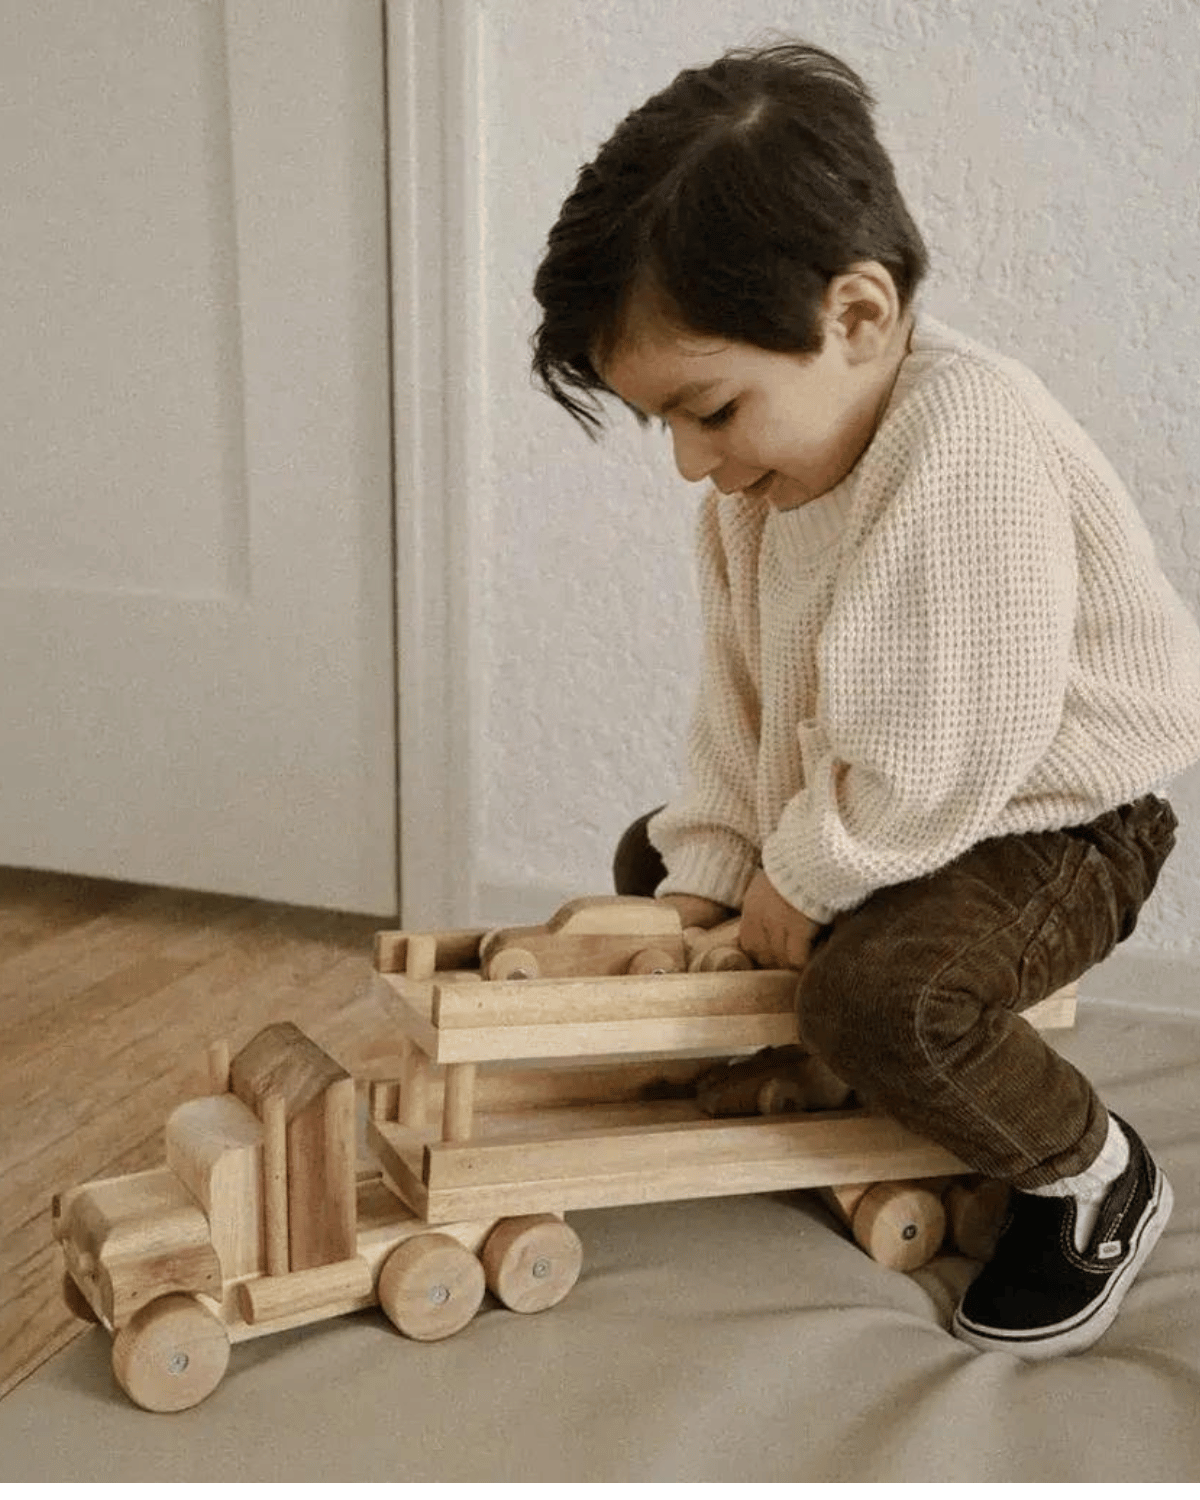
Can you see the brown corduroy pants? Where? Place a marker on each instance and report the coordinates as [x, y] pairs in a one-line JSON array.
[[915, 997]]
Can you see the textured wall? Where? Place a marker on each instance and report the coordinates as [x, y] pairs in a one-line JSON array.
[[1047, 150]]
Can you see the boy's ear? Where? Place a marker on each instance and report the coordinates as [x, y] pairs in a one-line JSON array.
[[862, 308]]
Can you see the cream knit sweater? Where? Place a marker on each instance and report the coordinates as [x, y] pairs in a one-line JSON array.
[[968, 636]]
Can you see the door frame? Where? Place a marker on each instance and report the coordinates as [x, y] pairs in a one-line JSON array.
[[436, 226]]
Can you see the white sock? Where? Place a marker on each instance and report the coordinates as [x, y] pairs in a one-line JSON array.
[[1090, 1187]]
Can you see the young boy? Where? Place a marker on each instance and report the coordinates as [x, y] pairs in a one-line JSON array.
[[944, 679]]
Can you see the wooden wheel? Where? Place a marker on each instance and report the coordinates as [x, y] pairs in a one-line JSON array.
[[431, 1286], [77, 1304], [531, 1263], [723, 959], [514, 963], [171, 1354], [780, 1096], [976, 1212], [820, 1087], [653, 961], [900, 1224]]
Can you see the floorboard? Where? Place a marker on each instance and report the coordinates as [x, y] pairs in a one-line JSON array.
[[109, 997]]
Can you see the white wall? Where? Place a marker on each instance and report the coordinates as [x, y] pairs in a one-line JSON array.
[[1048, 150]]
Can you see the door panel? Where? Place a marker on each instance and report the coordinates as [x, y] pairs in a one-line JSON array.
[[195, 511]]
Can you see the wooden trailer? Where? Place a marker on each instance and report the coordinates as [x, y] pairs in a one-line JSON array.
[[521, 1098], [529, 1095]]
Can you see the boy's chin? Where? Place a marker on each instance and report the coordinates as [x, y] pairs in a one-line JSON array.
[[786, 494]]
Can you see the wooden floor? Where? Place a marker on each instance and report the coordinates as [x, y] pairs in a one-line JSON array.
[[109, 997]]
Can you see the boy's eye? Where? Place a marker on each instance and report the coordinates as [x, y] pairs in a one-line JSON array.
[[718, 418], [721, 416]]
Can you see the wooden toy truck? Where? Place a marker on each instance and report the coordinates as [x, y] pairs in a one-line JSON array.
[[521, 1098]]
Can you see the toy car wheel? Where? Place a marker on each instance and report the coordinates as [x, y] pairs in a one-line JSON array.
[[723, 959], [531, 1263], [513, 963], [653, 961], [431, 1287], [171, 1354], [900, 1224]]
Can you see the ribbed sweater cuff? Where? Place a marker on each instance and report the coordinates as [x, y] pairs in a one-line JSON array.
[[779, 871], [714, 873]]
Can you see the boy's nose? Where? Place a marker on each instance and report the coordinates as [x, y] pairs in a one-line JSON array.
[[696, 454]]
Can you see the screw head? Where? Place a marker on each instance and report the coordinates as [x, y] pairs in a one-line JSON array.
[[541, 1269], [439, 1294], [178, 1363], [909, 1232]]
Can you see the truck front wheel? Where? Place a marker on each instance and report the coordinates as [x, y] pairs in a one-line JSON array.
[[171, 1354], [77, 1304]]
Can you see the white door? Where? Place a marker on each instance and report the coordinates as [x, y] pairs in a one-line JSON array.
[[196, 616]]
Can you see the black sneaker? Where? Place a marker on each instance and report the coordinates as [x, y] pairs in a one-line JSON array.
[[1038, 1296]]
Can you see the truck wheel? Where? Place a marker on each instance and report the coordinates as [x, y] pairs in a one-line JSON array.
[[77, 1304], [171, 1354], [900, 1224], [976, 1213], [431, 1286], [513, 963], [531, 1263]]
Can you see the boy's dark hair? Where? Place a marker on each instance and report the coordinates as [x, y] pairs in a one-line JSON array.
[[735, 195]]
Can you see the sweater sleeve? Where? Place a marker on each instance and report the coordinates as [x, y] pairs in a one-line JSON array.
[[708, 836], [943, 661]]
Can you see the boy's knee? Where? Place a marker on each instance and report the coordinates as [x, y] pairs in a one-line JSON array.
[[870, 1021]]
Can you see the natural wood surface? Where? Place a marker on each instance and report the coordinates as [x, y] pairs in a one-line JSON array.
[[110, 996]]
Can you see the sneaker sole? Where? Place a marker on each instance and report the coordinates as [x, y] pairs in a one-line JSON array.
[[1081, 1331]]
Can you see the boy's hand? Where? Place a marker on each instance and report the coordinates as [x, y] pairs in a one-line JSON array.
[[773, 932], [698, 911]]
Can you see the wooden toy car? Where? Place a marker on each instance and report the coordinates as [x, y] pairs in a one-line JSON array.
[[602, 935], [608, 935], [520, 1100]]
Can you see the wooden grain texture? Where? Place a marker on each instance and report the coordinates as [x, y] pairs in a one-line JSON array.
[[110, 996]]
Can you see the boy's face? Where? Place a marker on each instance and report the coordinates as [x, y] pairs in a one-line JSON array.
[[785, 427]]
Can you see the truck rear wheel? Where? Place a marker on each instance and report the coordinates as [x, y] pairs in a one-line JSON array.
[[900, 1224], [531, 1263], [431, 1286], [171, 1354]]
